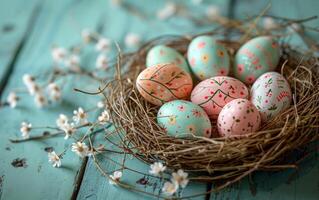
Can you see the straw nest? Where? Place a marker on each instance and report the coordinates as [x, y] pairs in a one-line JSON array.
[[225, 160]]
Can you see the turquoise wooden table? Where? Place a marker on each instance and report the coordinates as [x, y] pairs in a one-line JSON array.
[[28, 29]]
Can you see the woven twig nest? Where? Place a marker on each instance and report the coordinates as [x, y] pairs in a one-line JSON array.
[[224, 159]]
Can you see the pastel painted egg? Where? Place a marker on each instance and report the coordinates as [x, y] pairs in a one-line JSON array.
[[181, 118], [271, 94], [163, 83], [207, 57], [161, 54], [255, 57], [214, 93], [238, 117]]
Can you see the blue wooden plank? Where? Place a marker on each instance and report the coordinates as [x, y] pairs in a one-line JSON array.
[[58, 22]]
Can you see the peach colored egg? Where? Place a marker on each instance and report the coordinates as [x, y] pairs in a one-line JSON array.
[[238, 117], [214, 93], [163, 83]]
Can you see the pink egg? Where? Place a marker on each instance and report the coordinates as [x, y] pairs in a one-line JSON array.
[[238, 117], [164, 82], [214, 93]]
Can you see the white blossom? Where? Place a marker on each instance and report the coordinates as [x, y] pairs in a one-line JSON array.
[[132, 40], [80, 116], [104, 117], [12, 99], [61, 121], [103, 45], [58, 54], [101, 62], [73, 62], [54, 159], [86, 35], [167, 11], [40, 100], [115, 177], [269, 23], [180, 177], [100, 104], [25, 129], [80, 148], [157, 168], [30, 83], [295, 27], [27, 79], [54, 91], [170, 188], [213, 12], [68, 129]]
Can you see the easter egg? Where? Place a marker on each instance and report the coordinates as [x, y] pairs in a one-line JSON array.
[[238, 117], [163, 83], [214, 93], [271, 94], [207, 57], [182, 118], [255, 57], [161, 54]]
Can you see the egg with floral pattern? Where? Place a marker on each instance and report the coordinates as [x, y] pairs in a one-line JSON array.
[[255, 57], [271, 94], [164, 82], [161, 54], [207, 57], [238, 117], [183, 118], [214, 93]]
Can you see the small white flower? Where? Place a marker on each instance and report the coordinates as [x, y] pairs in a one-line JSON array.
[[54, 159], [101, 62], [213, 12], [73, 61], [27, 79], [103, 45], [54, 91], [168, 11], [80, 117], [61, 121], [157, 168], [180, 177], [25, 129], [86, 35], [115, 177], [132, 40], [30, 83], [80, 148], [12, 99], [40, 100], [68, 129], [100, 104], [104, 117], [295, 27], [269, 23], [58, 54], [170, 188]]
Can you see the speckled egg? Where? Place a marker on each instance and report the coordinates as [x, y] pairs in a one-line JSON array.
[[238, 117], [163, 83], [256, 57], [214, 93], [271, 94], [163, 54], [207, 57], [181, 118]]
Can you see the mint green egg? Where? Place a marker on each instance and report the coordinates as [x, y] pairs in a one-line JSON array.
[[161, 54], [183, 118], [256, 57], [207, 57]]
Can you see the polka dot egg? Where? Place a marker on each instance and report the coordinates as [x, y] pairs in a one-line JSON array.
[[163, 83], [182, 118], [163, 54], [214, 93], [238, 117], [207, 57], [256, 57]]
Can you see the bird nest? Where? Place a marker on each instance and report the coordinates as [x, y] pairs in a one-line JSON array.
[[222, 159]]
